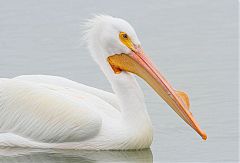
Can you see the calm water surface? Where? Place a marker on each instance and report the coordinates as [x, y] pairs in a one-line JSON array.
[[194, 44]]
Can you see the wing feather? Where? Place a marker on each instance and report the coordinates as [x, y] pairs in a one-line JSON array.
[[43, 113], [63, 82]]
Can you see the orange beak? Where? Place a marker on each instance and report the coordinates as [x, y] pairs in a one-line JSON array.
[[138, 63]]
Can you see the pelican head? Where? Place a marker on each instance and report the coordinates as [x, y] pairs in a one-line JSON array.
[[114, 41], [106, 35]]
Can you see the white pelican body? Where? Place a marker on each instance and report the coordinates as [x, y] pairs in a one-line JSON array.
[[42, 111]]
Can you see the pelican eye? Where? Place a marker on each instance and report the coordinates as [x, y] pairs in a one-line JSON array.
[[126, 40], [125, 36]]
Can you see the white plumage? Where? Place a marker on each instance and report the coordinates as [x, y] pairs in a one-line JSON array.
[[42, 111], [53, 112]]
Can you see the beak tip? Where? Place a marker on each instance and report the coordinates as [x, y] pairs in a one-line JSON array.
[[204, 136]]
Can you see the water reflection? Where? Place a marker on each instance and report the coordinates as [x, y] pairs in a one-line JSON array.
[[16, 155]]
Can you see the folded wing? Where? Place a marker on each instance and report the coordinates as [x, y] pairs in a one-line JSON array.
[[45, 113], [63, 82]]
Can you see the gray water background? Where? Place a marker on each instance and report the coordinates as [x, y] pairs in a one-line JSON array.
[[194, 44]]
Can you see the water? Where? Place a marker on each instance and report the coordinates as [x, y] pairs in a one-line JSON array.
[[194, 43]]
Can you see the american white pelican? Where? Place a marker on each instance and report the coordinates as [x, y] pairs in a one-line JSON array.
[[53, 112]]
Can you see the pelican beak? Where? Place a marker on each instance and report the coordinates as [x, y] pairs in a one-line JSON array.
[[138, 63]]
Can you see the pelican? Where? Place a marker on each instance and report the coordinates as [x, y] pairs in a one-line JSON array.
[[40, 111]]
